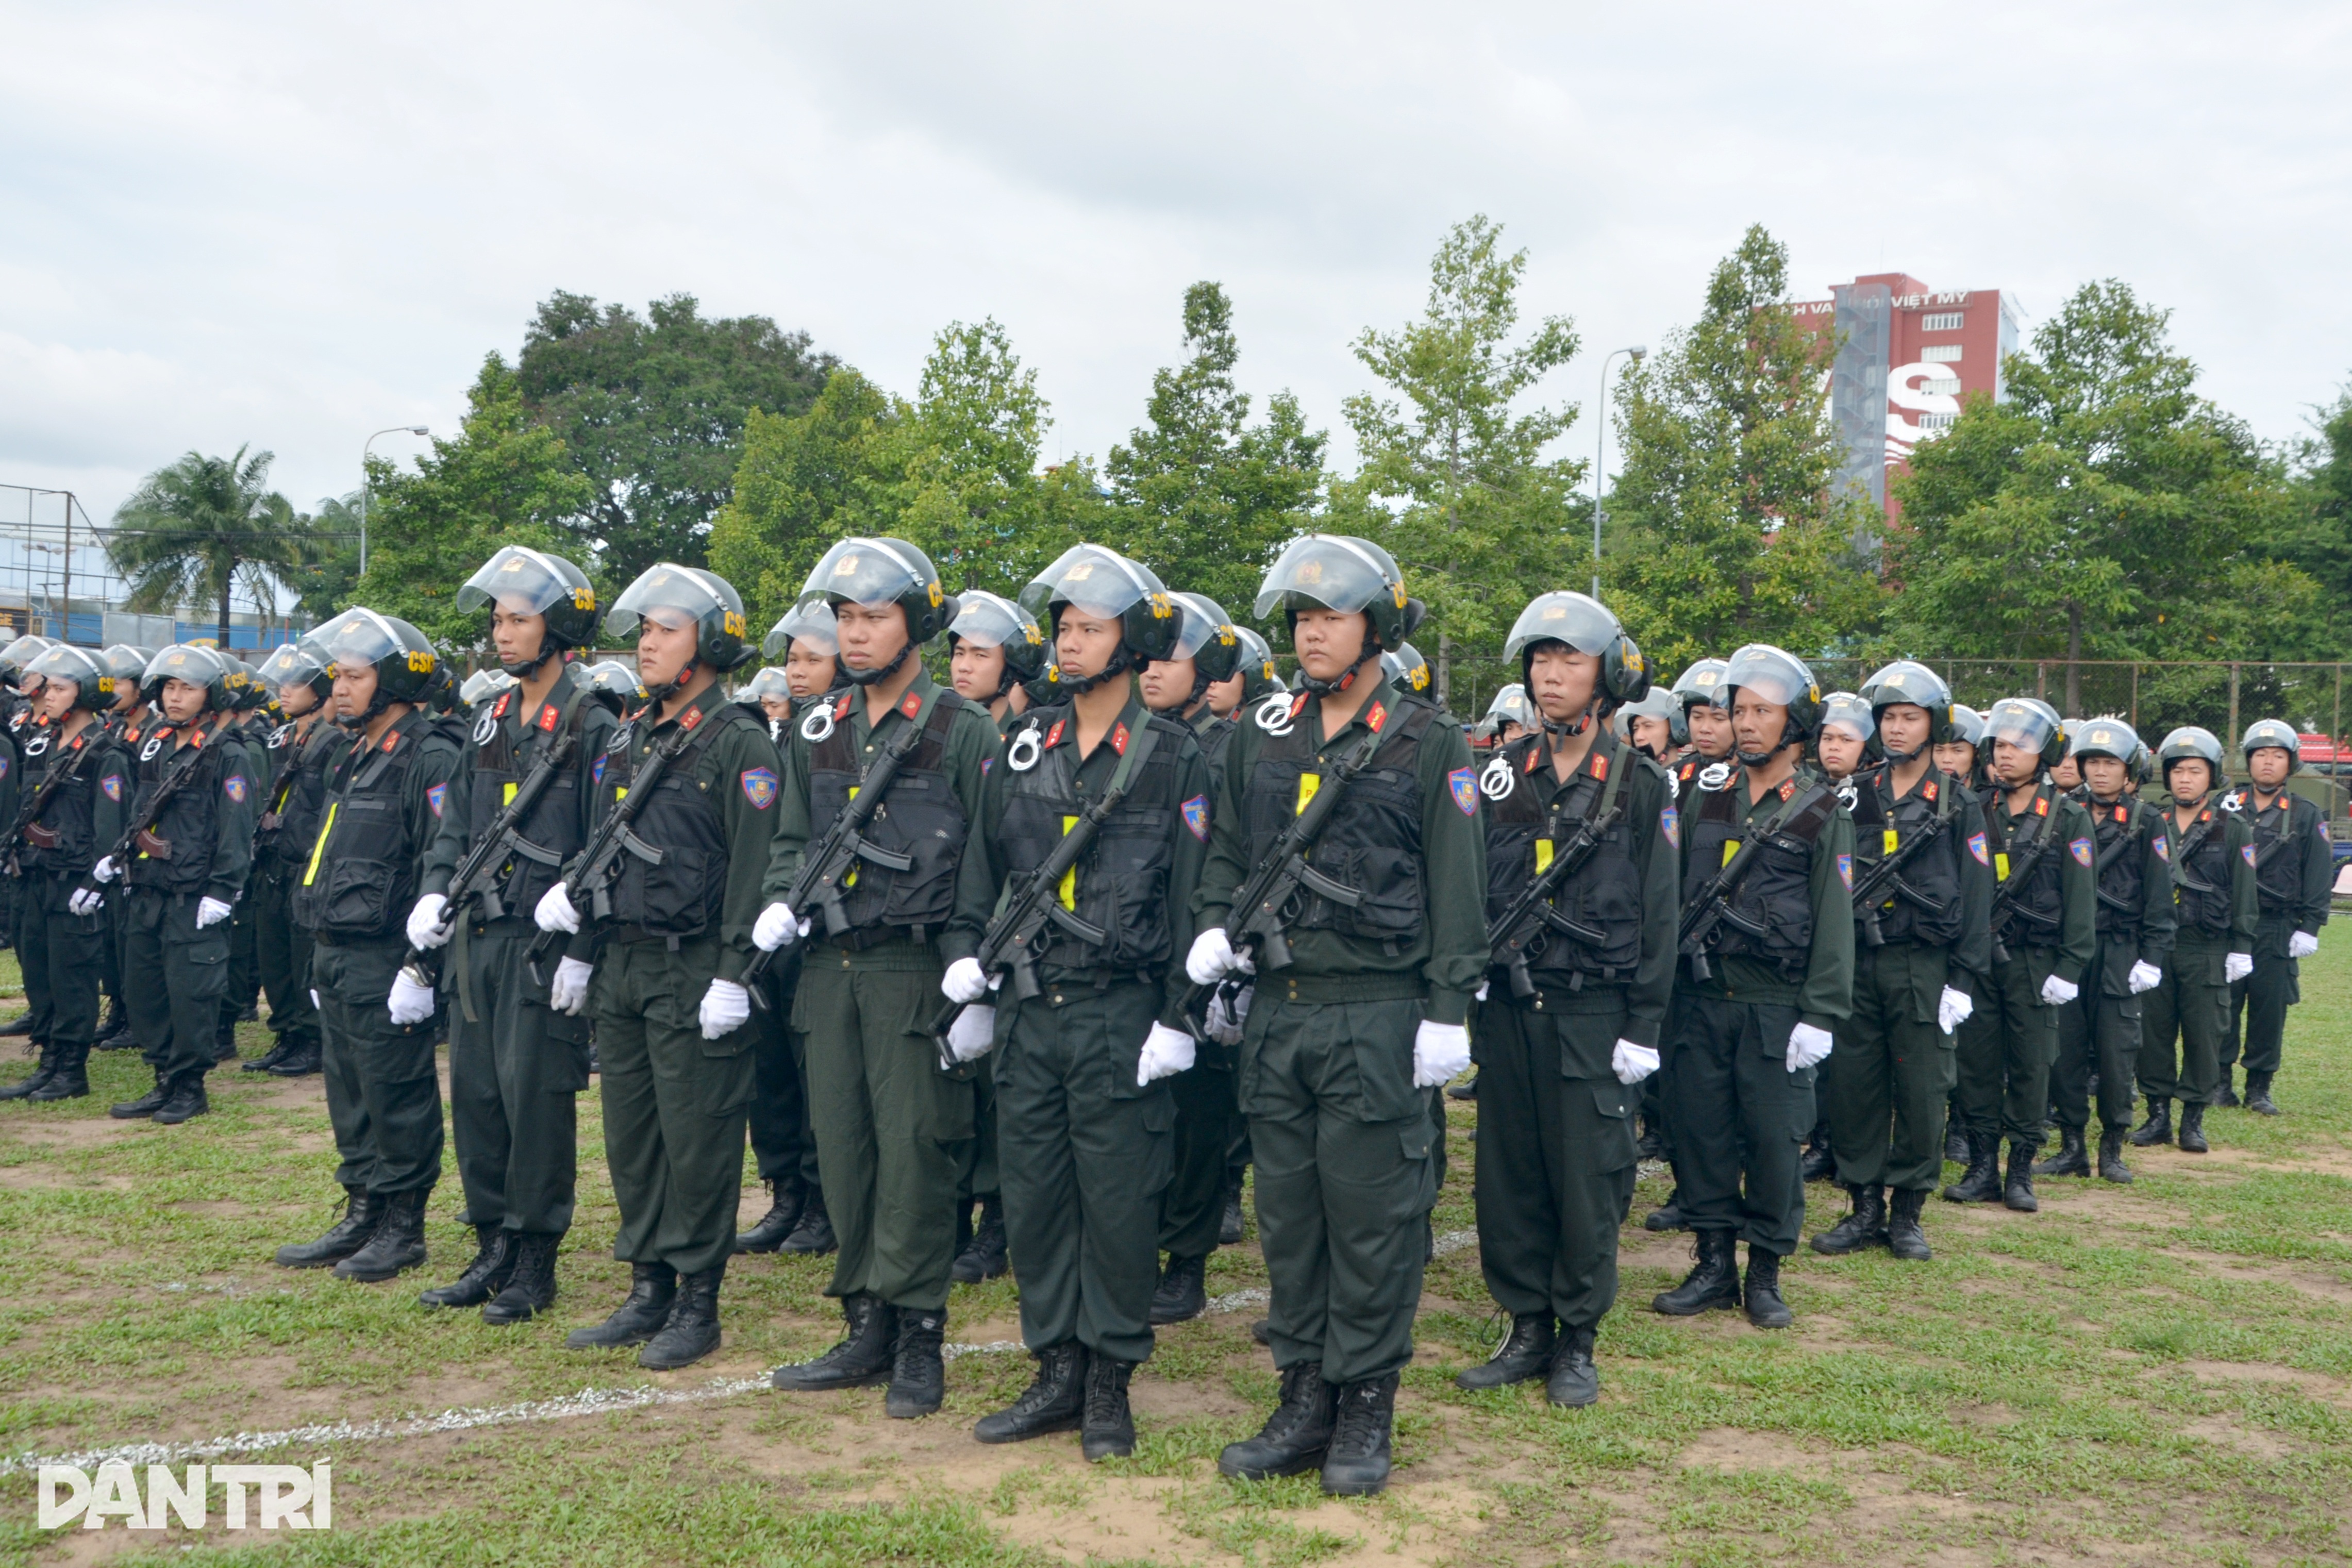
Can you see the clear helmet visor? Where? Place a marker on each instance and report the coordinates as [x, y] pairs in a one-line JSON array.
[[1579, 620], [1700, 682], [2105, 738], [2018, 724], [612, 676], [24, 651], [196, 665], [289, 664], [483, 683], [1772, 675], [67, 662], [864, 572], [521, 582], [1201, 617], [993, 621], [358, 637], [1327, 570], [809, 625], [768, 681], [1098, 581], [1844, 710], [667, 594]]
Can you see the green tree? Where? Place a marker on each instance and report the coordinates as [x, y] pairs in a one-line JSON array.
[[1454, 481], [324, 583], [651, 411], [1722, 526], [502, 479], [1206, 499], [196, 532], [2103, 511], [2319, 538]]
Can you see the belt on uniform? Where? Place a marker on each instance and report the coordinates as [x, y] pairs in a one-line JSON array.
[[1328, 988]]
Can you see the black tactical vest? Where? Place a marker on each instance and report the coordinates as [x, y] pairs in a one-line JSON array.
[[1371, 841], [2200, 875], [1212, 738], [2278, 863], [2123, 881], [2036, 913], [297, 798], [1776, 891], [920, 817], [680, 897], [1933, 871], [1120, 884], [361, 878], [1522, 834], [191, 820], [552, 829], [63, 840]]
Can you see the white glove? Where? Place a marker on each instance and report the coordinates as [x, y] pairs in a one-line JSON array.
[[1440, 1051], [1480, 994], [1212, 958], [555, 912], [425, 931], [1953, 1008], [1165, 1051], [1632, 1063], [2236, 967], [1808, 1045], [972, 1034], [725, 1008], [1226, 1019], [2057, 993], [965, 981], [410, 1003], [2147, 976], [567, 991], [2302, 944], [106, 871], [774, 928], [314, 1001], [85, 901], [211, 911]]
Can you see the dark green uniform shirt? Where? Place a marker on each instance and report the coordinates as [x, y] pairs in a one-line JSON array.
[[1449, 952], [1972, 846], [426, 782], [2305, 842], [2156, 920], [2078, 899], [1824, 998], [2237, 835]]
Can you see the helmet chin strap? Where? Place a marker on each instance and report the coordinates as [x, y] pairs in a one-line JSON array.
[[671, 688], [1567, 729], [879, 674], [1346, 678], [1121, 661], [548, 648]]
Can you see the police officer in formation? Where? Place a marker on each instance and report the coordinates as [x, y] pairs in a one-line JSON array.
[[304, 745], [2294, 869], [517, 1040]]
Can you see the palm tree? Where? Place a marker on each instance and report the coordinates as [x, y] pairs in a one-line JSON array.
[[203, 526]]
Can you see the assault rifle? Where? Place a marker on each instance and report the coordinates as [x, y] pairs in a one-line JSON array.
[[1885, 877], [476, 879], [1520, 930], [27, 830], [594, 867], [140, 835], [2004, 897], [1712, 907]]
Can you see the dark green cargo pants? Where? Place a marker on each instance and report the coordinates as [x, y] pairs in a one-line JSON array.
[[2006, 1050], [1893, 1070], [1346, 1172], [384, 1096], [893, 1132], [63, 955], [1207, 1114], [783, 1148], [2258, 1004], [516, 1067], [1556, 1159], [282, 952], [675, 1104], [176, 976], [2192, 1006], [2099, 1032], [1741, 1118], [1084, 1156]]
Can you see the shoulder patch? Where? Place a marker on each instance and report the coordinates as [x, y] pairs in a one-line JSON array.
[[1670, 824], [234, 785], [2162, 846], [596, 770], [2248, 851], [2080, 849], [111, 783], [1464, 785], [1845, 871], [1976, 847], [437, 796], [1196, 816], [760, 788]]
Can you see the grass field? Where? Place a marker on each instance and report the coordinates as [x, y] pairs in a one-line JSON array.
[[2158, 1374]]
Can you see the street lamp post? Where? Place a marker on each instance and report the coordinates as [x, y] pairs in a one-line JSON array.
[[1601, 447], [387, 430]]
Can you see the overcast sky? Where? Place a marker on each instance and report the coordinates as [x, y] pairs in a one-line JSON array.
[[291, 225]]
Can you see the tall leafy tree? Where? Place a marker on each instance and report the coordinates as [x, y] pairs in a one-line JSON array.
[[323, 583], [1454, 480], [2105, 511], [1206, 497], [196, 532], [502, 479], [651, 410], [1725, 527]]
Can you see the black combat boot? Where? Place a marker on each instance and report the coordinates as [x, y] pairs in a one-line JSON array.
[[2111, 1156], [814, 1234], [484, 1277], [639, 1317], [185, 1102], [22, 1023], [531, 1290], [2192, 1128], [691, 1331], [1108, 1432], [1667, 1215], [114, 1034], [2228, 1093], [71, 1078], [225, 1040], [1905, 1238], [2157, 1128], [1652, 1143], [1056, 1402], [2258, 1094], [362, 1211], [919, 1373], [299, 1061], [1820, 1162], [146, 1105], [1229, 1222], [984, 1258], [1293, 1437], [1765, 1307], [786, 1198], [1357, 1462], [1957, 1143], [861, 1360], [398, 1243], [1866, 1226], [1713, 1281], [1574, 1381], [26, 1087], [267, 1060], [1262, 1331], [1182, 1295], [1527, 1352], [1467, 1089], [1981, 1182], [2072, 1158], [2018, 1191]]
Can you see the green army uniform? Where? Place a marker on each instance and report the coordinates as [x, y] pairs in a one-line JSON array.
[[893, 1132], [288, 831], [1208, 1114], [2099, 1031], [2219, 908], [784, 1145], [1555, 1144], [61, 954], [244, 980], [1342, 1138], [2294, 873]]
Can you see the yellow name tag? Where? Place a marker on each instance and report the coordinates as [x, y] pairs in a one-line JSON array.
[[1543, 856], [1307, 784], [2000, 867], [510, 794], [1887, 842], [1730, 847], [1069, 888]]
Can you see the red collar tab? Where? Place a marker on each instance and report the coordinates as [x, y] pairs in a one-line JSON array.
[[1299, 705], [1927, 790], [1054, 735], [505, 700], [2122, 814], [548, 715], [690, 718], [1377, 717], [841, 708], [1600, 764], [912, 706], [2040, 806], [1788, 788], [196, 735], [1119, 739], [1534, 759]]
